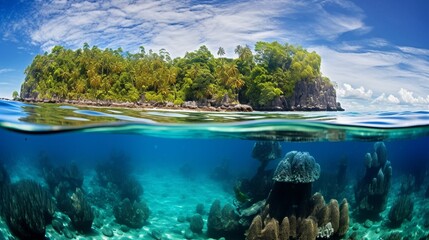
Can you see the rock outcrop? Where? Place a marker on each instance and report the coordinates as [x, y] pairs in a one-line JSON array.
[[308, 95]]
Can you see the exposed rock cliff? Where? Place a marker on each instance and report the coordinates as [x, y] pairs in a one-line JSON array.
[[308, 95]]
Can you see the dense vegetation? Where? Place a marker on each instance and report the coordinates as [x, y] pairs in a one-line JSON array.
[[91, 73]]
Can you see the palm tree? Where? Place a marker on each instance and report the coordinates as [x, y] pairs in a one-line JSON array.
[[221, 52]]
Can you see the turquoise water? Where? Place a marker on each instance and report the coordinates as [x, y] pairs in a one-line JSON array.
[[184, 159]]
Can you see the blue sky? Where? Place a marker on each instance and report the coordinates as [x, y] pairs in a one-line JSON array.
[[377, 52]]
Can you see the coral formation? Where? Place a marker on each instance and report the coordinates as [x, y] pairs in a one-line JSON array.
[[291, 212], [69, 176], [133, 215], [115, 170], [196, 223], [266, 151], [115, 175], [291, 190], [372, 190], [401, 209], [80, 211], [297, 167], [27, 209], [325, 221], [250, 191], [223, 222], [130, 188]]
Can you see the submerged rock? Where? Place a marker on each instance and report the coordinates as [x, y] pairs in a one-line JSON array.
[[107, 232]]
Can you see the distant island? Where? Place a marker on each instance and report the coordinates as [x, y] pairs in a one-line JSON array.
[[278, 77]]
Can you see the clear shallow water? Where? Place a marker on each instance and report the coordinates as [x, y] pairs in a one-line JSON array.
[[178, 156], [289, 126]]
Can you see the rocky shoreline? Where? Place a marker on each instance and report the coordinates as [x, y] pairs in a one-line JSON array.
[[280, 104], [189, 105]]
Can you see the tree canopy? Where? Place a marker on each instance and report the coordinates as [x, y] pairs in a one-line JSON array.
[[91, 73]]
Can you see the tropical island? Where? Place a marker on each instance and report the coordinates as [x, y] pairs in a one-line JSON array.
[[276, 77]]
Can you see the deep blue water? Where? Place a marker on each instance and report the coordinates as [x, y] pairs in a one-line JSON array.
[[167, 141]]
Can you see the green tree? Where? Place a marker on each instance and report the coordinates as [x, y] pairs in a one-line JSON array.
[[15, 95]]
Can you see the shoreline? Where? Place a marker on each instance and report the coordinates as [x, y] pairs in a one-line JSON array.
[[169, 106], [186, 106]]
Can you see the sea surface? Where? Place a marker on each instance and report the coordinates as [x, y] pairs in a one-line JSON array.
[[183, 159]]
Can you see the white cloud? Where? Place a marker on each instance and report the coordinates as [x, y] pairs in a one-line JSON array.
[[180, 26], [381, 68], [408, 97], [383, 99], [5, 70], [347, 91], [363, 68]]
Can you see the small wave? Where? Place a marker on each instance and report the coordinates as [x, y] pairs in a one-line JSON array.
[[287, 126]]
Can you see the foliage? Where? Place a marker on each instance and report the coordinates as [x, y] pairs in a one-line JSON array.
[[114, 75], [15, 95]]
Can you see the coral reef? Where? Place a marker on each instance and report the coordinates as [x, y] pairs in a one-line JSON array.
[[196, 223], [372, 190], [115, 170], [250, 191], [297, 167], [27, 209], [130, 188], [80, 211], [401, 209], [266, 151], [69, 176], [291, 190], [223, 222], [115, 175], [133, 215], [328, 221], [291, 212]]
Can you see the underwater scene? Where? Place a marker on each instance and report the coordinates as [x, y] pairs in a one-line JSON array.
[[76, 172]]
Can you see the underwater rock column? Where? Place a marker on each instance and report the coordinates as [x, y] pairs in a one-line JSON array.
[[293, 180], [291, 212], [372, 190]]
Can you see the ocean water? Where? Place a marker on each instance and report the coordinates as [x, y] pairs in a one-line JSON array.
[[182, 160]]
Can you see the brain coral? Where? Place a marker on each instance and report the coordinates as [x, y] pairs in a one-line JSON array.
[[297, 167]]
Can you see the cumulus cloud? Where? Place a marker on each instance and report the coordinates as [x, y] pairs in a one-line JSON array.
[[378, 67], [383, 99], [347, 91], [408, 97]]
